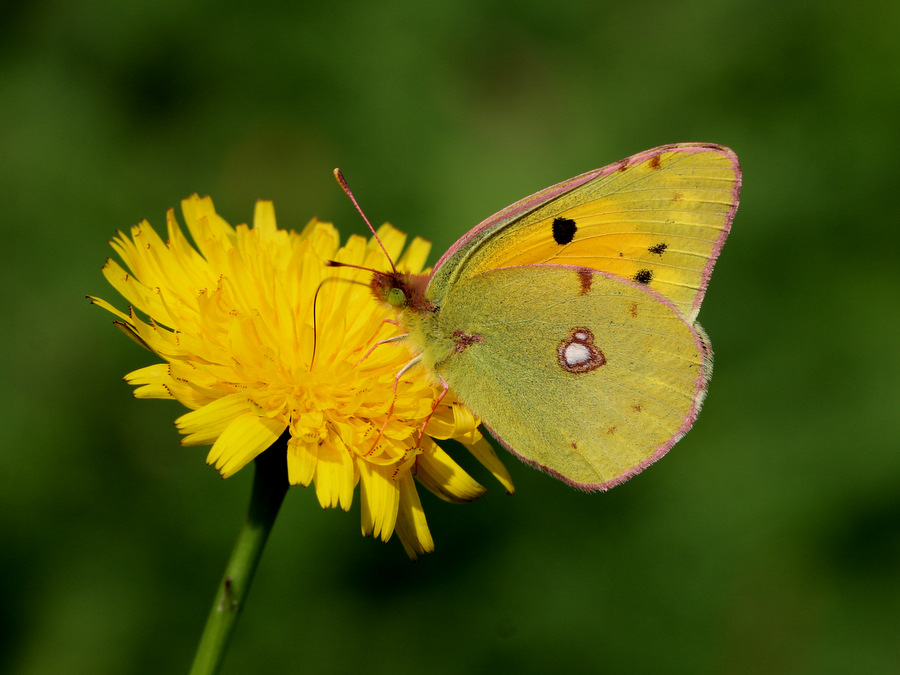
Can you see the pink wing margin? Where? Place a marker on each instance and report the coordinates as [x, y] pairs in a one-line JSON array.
[[538, 199]]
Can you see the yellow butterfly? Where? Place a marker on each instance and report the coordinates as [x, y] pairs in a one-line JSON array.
[[567, 321]]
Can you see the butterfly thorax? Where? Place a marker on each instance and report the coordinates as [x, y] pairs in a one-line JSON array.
[[416, 315]]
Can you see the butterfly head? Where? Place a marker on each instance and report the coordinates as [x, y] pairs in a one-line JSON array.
[[401, 291], [396, 298]]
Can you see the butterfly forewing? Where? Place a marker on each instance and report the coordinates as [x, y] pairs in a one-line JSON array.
[[658, 218]]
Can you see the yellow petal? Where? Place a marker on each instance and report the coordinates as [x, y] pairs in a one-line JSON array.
[[411, 525], [208, 229], [264, 217], [483, 451], [242, 441], [128, 286], [380, 499], [336, 475], [444, 477], [415, 256], [203, 426], [302, 457], [100, 302], [152, 381]]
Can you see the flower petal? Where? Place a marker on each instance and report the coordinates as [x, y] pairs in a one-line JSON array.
[[245, 438], [380, 499], [152, 381], [336, 475], [444, 477], [205, 425], [411, 525], [302, 457], [483, 451], [415, 256]]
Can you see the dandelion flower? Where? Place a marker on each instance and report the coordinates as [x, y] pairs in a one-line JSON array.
[[233, 320]]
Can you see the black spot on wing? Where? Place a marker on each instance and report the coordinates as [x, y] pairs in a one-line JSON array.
[[659, 249], [564, 230], [643, 276]]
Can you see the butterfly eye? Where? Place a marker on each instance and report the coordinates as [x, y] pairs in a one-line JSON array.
[[396, 297]]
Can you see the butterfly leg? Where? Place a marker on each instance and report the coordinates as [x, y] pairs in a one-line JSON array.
[[393, 322], [390, 411], [437, 402], [396, 338]]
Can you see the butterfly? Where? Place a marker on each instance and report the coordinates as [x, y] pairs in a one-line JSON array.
[[567, 321]]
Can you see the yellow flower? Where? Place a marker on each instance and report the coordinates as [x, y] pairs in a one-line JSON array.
[[233, 321]]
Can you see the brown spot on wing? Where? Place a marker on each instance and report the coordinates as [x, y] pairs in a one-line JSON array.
[[585, 277], [633, 310], [656, 162], [463, 340]]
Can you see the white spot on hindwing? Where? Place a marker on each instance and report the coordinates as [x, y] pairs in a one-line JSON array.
[[577, 353]]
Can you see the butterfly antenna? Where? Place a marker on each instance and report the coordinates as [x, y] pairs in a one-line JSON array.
[[346, 188], [312, 361], [328, 263]]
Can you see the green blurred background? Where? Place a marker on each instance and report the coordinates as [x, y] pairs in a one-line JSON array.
[[768, 541]]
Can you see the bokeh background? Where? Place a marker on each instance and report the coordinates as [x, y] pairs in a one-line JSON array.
[[768, 541]]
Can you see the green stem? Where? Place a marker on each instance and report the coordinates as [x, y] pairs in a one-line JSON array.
[[269, 487]]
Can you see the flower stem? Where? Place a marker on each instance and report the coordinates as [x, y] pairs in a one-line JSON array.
[[270, 484]]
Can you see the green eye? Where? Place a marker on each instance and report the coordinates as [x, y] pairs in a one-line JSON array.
[[396, 297]]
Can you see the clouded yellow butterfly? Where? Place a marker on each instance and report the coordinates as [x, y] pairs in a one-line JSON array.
[[567, 321]]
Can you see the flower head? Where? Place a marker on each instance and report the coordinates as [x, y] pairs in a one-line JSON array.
[[259, 338]]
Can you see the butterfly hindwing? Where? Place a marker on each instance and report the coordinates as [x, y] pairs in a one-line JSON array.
[[580, 373]]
